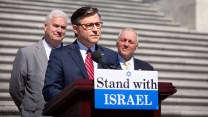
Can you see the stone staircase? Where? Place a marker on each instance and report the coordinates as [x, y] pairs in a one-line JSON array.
[[180, 55]]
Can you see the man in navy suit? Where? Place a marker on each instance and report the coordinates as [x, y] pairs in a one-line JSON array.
[[67, 64], [127, 44]]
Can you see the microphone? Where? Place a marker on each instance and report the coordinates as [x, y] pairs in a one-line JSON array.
[[96, 56]]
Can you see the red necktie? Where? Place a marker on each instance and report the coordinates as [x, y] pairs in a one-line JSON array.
[[89, 65]]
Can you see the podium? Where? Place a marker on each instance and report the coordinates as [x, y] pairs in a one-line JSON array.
[[77, 100]]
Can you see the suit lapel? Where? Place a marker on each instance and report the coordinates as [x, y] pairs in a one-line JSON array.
[[77, 57], [98, 48], [41, 53], [136, 65]]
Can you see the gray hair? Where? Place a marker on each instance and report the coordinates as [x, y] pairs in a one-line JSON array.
[[55, 13], [128, 29]]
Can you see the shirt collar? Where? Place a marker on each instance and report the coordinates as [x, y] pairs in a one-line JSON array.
[[48, 48], [122, 61], [84, 48]]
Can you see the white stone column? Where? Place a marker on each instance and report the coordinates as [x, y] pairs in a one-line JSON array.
[[191, 14], [202, 15]]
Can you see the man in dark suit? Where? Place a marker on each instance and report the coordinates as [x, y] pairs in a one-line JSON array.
[[68, 63], [29, 67], [127, 44]]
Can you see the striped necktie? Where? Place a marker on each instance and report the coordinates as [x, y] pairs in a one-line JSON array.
[[89, 65], [127, 65]]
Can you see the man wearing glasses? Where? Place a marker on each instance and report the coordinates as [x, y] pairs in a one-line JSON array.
[[73, 62]]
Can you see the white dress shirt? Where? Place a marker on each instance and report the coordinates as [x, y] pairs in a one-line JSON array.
[[83, 51], [122, 63], [48, 48]]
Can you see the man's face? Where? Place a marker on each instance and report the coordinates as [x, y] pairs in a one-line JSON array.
[[86, 35], [55, 30], [127, 44]]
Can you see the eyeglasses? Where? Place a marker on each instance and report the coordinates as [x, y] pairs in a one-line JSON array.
[[89, 26]]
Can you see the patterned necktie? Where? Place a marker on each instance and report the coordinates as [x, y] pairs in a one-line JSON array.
[[127, 65], [89, 65]]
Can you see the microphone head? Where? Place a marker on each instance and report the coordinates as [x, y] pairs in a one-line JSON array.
[[96, 56]]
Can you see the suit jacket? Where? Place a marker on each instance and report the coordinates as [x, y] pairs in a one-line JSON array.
[[27, 78], [66, 65], [141, 65]]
